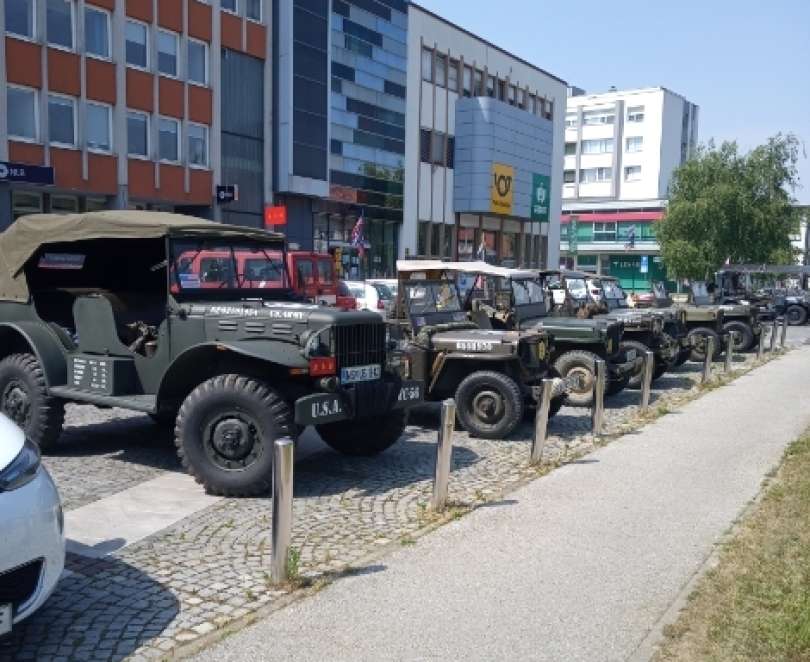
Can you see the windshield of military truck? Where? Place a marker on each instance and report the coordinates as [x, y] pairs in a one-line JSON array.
[[223, 265], [527, 292]]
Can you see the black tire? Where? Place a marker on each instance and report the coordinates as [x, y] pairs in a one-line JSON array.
[[743, 335], [661, 368], [225, 432], [698, 334], [365, 437], [164, 417], [24, 399], [580, 362], [635, 378], [796, 315], [489, 405], [683, 356]]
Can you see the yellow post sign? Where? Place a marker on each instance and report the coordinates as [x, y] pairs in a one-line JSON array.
[[503, 188]]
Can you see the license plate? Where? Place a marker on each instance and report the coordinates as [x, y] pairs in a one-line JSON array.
[[5, 619], [631, 355], [361, 373], [410, 393]]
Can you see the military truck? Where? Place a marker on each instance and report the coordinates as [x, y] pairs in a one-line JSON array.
[[702, 322], [738, 284], [195, 324], [494, 375], [741, 319], [515, 299], [658, 330]]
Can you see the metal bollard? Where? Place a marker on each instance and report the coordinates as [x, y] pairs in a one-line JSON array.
[[707, 361], [283, 461], [783, 339], [598, 409], [541, 422], [761, 347], [729, 351], [444, 452], [646, 379], [773, 335]]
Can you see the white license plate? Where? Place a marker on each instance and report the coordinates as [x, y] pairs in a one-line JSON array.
[[5, 619], [631, 355], [360, 373]]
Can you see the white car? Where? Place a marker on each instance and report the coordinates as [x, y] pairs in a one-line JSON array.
[[32, 554], [372, 295]]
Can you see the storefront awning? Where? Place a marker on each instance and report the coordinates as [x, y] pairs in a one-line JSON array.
[[615, 217]]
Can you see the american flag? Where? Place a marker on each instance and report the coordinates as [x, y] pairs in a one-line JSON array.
[[358, 240]]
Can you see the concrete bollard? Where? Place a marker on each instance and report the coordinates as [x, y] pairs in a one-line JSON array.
[[783, 339], [707, 360], [444, 453], [598, 409], [761, 347], [729, 351], [541, 422], [646, 379], [283, 462], [773, 334]]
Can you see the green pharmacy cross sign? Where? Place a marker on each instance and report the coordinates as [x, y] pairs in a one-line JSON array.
[[541, 198]]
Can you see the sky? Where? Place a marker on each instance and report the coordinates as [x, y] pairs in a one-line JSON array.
[[746, 63]]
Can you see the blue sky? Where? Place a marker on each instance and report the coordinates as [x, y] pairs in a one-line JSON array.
[[746, 63]]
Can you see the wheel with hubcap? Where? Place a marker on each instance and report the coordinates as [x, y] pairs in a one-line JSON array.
[[796, 315], [489, 404], [579, 363], [225, 432], [364, 437], [24, 399], [699, 335], [742, 335]]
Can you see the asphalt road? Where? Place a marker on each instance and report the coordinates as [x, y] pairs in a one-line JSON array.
[[580, 565]]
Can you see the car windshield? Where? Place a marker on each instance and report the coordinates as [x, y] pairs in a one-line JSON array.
[[527, 292], [219, 264], [613, 290], [660, 291], [383, 291], [432, 297], [577, 288]]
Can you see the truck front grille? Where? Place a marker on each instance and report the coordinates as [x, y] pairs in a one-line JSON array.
[[360, 344], [17, 586]]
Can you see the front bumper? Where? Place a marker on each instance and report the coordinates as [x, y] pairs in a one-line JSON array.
[[32, 555], [364, 400]]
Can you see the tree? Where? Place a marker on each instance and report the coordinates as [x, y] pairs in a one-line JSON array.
[[729, 206]]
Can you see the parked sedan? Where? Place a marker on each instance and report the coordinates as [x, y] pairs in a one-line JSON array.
[[32, 554]]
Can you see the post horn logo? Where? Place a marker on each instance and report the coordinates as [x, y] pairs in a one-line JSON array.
[[503, 184]]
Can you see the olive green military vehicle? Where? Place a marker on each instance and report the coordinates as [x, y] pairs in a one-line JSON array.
[[195, 324], [661, 331], [740, 319], [515, 299], [702, 322], [494, 376]]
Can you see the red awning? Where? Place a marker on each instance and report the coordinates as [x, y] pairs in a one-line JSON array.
[[602, 217]]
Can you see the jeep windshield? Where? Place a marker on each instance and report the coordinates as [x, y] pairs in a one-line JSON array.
[[527, 292], [613, 290], [432, 297], [577, 288], [217, 265]]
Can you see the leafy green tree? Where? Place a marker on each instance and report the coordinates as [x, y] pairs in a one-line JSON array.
[[725, 205]]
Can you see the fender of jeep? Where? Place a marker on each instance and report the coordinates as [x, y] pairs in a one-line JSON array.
[[42, 342], [453, 368], [198, 363]]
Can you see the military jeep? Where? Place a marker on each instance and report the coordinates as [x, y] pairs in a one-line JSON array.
[[741, 319], [494, 376], [195, 324], [515, 299]]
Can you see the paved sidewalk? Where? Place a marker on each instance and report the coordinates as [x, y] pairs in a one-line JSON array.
[[579, 565]]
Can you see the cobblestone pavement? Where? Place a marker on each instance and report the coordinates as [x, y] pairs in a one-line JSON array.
[[212, 569]]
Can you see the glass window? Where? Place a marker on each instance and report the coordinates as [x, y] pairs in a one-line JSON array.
[[571, 121], [635, 143], [632, 173], [59, 22], [427, 65], [22, 113], [98, 127], [522, 96], [229, 5], [511, 95], [569, 176], [198, 145], [138, 134], [169, 140], [64, 204], [136, 44], [452, 76], [20, 17], [502, 90], [478, 90], [62, 120], [491, 86], [198, 61], [437, 148], [421, 238], [167, 52], [604, 232], [468, 81], [96, 31], [253, 9], [594, 175], [635, 114], [570, 149], [435, 239], [604, 146], [441, 70], [598, 117]]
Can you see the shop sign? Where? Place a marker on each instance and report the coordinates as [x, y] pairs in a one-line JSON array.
[[227, 193], [541, 198], [275, 215], [22, 172], [503, 192]]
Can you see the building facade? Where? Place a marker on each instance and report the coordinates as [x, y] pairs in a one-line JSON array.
[[130, 103], [621, 149], [479, 116]]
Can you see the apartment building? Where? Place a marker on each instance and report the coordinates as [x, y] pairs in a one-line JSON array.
[[117, 104], [621, 148], [484, 149]]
